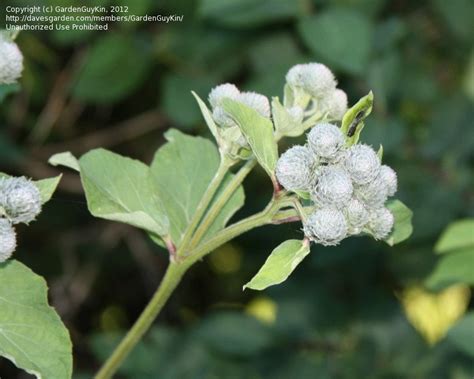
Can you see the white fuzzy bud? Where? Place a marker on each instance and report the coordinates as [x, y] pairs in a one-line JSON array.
[[326, 226], [362, 163], [314, 78], [332, 187], [256, 101], [380, 223], [296, 113], [357, 216], [20, 199], [334, 104], [326, 141], [389, 178], [223, 91], [7, 239], [11, 62], [294, 169], [222, 118], [373, 194]]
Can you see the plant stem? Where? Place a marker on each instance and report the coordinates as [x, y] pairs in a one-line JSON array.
[[224, 166], [171, 279], [222, 201]]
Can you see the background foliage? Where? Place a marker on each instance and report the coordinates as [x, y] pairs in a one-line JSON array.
[[339, 315]]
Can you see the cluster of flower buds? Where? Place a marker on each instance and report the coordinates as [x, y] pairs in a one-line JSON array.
[[20, 202], [11, 61], [348, 186], [314, 91]]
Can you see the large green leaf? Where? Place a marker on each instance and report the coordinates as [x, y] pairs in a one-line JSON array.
[[32, 335], [452, 268], [402, 227], [120, 189], [280, 264], [458, 235], [182, 170], [258, 131], [342, 37], [462, 334]]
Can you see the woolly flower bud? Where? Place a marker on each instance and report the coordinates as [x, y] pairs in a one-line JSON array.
[[335, 104], [326, 140], [294, 169], [362, 163], [223, 91], [333, 187], [256, 101], [389, 177], [356, 215], [222, 118], [373, 194], [11, 62], [20, 198], [380, 223], [314, 78], [326, 226], [7, 240], [296, 113]]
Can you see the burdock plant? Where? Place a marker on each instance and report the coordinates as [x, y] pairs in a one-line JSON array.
[[331, 186]]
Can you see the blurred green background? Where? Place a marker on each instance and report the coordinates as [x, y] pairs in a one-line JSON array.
[[338, 316]]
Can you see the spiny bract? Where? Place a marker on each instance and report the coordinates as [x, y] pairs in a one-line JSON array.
[[7, 239], [20, 199]]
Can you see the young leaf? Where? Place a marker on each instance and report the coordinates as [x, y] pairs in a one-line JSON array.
[[182, 170], [65, 159], [47, 187], [280, 264], [32, 335], [120, 189], [284, 124], [258, 131], [353, 120], [206, 113], [458, 235], [402, 227]]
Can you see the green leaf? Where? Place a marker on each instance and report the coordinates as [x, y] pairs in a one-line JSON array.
[[353, 120], [347, 37], [120, 189], [453, 268], [32, 335], [402, 227], [206, 113], [258, 131], [280, 264], [65, 159], [458, 235], [462, 334], [284, 124], [47, 187], [113, 68], [182, 170], [7, 89]]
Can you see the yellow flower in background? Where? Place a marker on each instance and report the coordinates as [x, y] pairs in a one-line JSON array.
[[432, 314], [263, 309]]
